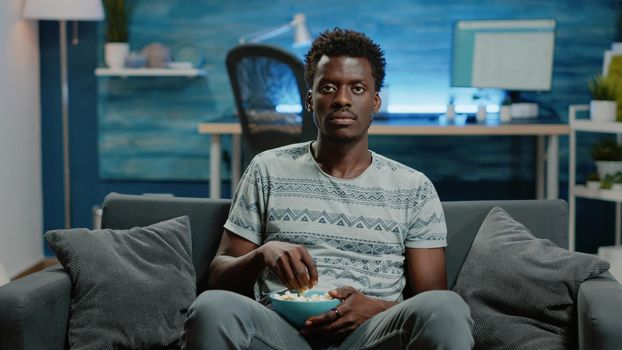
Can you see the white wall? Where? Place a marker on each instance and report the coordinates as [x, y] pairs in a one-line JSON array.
[[21, 204]]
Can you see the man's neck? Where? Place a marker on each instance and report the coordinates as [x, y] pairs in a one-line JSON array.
[[342, 160]]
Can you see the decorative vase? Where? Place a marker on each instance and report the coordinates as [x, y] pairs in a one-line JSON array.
[[158, 55], [115, 54], [603, 111], [450, 113], [505, 113], [481, 113]]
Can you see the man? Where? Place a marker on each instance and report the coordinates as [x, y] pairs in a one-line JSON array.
[[333, 215]]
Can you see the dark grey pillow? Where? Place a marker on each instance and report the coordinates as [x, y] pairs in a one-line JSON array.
[[130, 288], [522, 290]]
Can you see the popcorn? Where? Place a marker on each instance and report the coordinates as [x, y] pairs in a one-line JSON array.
[[289, 296]]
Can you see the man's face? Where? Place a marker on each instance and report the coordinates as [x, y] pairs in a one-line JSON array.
[[343, 98]]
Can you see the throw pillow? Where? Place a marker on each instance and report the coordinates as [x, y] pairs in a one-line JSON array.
[[130, 288], [522, 290]]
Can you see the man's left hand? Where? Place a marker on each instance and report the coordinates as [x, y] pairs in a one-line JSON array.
[[354, 309]]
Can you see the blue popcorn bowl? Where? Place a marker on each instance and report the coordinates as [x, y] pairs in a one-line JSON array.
[[297, 312]]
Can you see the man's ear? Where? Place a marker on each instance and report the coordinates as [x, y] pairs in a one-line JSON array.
[[309, 101], [377, 102]]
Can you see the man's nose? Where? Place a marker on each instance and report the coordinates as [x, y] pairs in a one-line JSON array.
[[342, 98]]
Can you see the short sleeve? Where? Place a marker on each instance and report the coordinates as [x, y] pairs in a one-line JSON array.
[[246, 216], [427, 228]]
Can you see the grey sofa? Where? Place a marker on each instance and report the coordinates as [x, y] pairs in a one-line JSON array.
[[34, 310]]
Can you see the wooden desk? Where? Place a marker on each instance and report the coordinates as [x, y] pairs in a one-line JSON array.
[[547, 147]]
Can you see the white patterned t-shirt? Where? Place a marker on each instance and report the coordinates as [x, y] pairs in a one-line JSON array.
[[356, 230]]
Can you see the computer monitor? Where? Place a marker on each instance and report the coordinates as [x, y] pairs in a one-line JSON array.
[[510, 54]]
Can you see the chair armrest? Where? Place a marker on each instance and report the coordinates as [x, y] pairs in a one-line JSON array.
[[599, 306], [34, 311]]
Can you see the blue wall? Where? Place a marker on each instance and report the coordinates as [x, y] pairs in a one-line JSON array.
[[143, 129]]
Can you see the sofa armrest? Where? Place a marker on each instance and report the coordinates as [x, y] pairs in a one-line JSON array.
[[34, 311], [599, 306]]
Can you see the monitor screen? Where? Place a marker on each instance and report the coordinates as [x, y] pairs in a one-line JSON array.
[[511, 54]]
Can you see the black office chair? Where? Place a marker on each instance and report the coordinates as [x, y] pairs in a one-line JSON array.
[[269, 88]]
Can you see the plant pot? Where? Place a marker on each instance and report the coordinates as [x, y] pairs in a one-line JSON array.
[[593, 185], [115, 54], [603, 111], [605, 168]]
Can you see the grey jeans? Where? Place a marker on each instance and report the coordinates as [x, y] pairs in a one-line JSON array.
[[431, 320]]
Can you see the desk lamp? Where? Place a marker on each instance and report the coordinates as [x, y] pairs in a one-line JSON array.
[[298, 23], [61, 11]]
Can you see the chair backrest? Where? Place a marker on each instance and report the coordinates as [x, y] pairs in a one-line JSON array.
[[269, 89]]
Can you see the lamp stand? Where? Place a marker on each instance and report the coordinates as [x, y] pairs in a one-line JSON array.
[[64, 88]]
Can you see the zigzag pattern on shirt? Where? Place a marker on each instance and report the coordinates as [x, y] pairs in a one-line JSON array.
[[380, 268], [361, 279], [349, 245], [345, 193], [420, 222], [338, 219], [246, 205], [293, 152], [380, 162], [243, 223]]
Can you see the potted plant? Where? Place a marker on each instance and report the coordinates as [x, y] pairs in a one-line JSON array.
[[607, 155], [614, 74], [617, 181], [593, 181], [603, 106], [116, 48], [617, 45]]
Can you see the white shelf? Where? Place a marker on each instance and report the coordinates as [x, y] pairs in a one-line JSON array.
[[592, 126], [581, 191], [605, 195], [150, 72]]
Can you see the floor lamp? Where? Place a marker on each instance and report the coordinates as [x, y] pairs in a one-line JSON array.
[[62, 11]]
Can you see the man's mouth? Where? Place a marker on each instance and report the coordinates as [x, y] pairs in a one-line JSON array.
[[342, 115]]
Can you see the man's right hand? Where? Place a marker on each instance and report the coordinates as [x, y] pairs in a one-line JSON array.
[[291, 263]]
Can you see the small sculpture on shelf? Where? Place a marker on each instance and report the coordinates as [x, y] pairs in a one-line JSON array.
[[450, 113], [481, 99], [157, 55]]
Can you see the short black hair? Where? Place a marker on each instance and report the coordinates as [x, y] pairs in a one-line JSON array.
[[345, 42]]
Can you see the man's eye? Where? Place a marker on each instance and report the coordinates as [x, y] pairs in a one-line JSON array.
[[327, 89], [358, 89]]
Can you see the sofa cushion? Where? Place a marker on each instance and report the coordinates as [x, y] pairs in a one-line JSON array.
[[130, 288], [521, 289]]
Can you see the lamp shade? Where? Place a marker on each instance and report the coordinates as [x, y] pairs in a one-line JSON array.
[[298, 24], [302, 37], [79, 10]]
